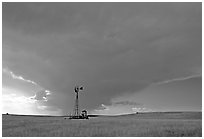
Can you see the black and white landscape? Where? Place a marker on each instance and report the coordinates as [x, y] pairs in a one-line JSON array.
[[135, 68]]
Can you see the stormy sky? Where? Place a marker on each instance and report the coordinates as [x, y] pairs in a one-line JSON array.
[[128, 56]]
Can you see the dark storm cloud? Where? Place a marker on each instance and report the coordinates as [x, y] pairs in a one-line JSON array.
[[102, 107], [41, 95], [110, 48], [128, 103]]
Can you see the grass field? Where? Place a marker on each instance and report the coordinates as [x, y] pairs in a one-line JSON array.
[[141, 125]]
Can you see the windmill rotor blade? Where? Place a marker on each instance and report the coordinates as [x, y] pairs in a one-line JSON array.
[[76, 89]]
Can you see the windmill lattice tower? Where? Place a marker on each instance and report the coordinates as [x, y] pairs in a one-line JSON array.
[[76, 108]]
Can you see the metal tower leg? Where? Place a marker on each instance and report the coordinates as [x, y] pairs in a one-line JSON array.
[[76, 109]]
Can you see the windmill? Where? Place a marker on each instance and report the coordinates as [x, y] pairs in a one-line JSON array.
[[76, 107]]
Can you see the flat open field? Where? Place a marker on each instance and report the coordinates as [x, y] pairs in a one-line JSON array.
[[141, 125]]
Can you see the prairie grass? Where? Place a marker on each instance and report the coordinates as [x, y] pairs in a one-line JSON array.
[[140, 125]]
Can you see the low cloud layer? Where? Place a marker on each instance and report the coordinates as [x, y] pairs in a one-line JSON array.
[[41, 95], [128, 103], [109, 48]]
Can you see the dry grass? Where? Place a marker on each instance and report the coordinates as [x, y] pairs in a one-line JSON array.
[[160, 124]]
